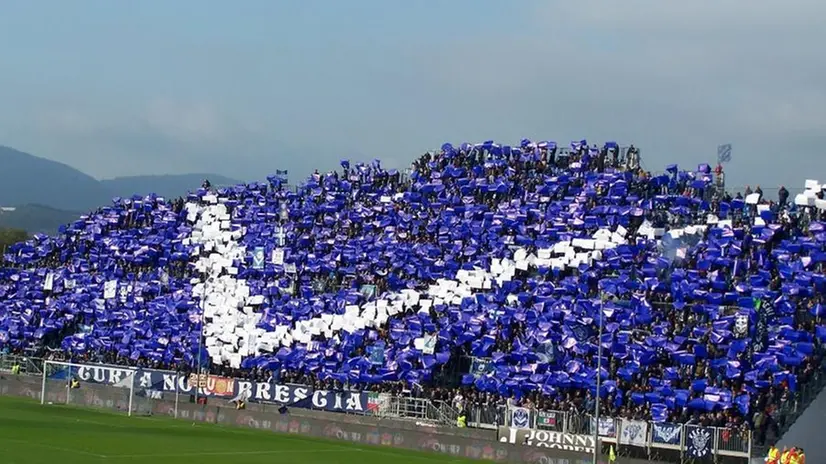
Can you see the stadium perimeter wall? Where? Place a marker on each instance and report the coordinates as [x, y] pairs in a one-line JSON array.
[[365, 430]]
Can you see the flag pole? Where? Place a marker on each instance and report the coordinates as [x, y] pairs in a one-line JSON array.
[[599, 380], [200, 344]]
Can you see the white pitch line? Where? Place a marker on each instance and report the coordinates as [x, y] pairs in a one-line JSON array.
[[228, 453], [55, 448]]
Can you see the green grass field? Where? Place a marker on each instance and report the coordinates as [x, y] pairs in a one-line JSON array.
[[32, 433]]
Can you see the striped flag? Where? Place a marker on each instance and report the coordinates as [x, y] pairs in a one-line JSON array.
[[724, 153]]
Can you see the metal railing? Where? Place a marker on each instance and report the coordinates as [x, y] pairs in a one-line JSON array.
[[27, 365], [419, 409], [730, 442], [447, 413], [487, 417], [410, 407]]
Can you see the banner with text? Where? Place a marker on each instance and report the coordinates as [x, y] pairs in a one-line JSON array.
[[155, 384], [699, 443], [547, 439]]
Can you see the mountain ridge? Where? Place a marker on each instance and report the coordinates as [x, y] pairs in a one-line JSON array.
[[45, 193]]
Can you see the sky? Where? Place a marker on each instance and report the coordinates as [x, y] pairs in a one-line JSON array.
[[243, 88]]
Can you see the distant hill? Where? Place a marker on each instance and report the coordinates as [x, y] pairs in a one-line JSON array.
[[169, 186], [46, 193], [36, 218], [28, 179]]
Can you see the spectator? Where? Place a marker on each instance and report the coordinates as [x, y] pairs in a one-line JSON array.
[[782, 196]]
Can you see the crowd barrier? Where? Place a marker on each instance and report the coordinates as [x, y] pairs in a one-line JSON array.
[[656, 439], [629, 437], [361, 430]]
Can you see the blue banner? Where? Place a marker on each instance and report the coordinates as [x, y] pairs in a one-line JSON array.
[[699, 442], [152, 383], [481, 366], [258, 258], [667, 434], [376, 354], [368, 291]]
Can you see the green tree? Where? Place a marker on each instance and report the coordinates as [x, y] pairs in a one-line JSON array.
[[9, 237]]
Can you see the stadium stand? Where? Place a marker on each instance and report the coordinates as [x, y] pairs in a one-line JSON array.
[[479, 277]]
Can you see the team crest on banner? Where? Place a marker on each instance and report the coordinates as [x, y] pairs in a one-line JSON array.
[[214, 385], [699, 443], [741, 325], [220, 386], [667, 434], [481, 366], [258, 258], [520, 418], [633, 432], [607, 427]]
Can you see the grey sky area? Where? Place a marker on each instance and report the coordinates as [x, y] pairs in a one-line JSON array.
[[172, 87]]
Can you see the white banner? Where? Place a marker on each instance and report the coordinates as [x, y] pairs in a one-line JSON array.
[[110, 289], [741, 326], [634, 432], [607, 427], [547, 439], [520, 418], [278, 256], [429, 344], [124, 291]]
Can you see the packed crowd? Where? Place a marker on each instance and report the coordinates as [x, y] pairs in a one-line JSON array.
[[710, 304]]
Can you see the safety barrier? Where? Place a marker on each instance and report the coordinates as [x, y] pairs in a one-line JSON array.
[[629, 437]]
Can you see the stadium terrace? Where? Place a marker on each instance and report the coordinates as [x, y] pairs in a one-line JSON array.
[[482, 275]]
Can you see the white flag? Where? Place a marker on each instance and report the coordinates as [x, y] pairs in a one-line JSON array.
[[429, 344], [48, 284], [278, 256], [110, 289]]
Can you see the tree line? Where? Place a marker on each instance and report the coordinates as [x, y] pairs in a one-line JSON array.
[[9, 236]]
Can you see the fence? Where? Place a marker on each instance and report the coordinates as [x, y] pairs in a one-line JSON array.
[[785, 415], [629, 437], [178, 385], [26, 365], [410, 407], [422, 409]]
